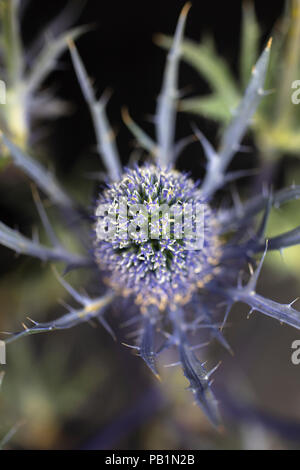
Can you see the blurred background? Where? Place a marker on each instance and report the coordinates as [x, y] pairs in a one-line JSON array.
[[78, 389]]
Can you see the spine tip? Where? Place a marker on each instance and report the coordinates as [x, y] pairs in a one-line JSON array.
[[125, 115], [70, 43], [269, 43]]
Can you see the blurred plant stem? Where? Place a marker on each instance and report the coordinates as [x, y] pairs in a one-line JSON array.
[[25, 68]]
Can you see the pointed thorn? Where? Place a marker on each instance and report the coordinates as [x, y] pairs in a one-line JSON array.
[[253, 280], [293, 302], [225, 317], [250, 313], [131, 346], [173, 364], [213, 370], [32, 321], [157, 376], [70, 43], [125, 115]]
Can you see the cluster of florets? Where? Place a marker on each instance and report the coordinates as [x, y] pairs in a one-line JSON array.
[[155, 236]]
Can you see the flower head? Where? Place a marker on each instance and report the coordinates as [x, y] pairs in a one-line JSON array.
[[155, 236]]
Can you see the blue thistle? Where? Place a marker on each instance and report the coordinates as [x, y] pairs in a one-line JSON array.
[[177, 289], [157, 262]]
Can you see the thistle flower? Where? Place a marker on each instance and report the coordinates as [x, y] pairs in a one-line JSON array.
[[178, 289], [149, 255]]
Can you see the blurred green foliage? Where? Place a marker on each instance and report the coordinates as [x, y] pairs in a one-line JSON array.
[[24, 69], [275, 127]]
